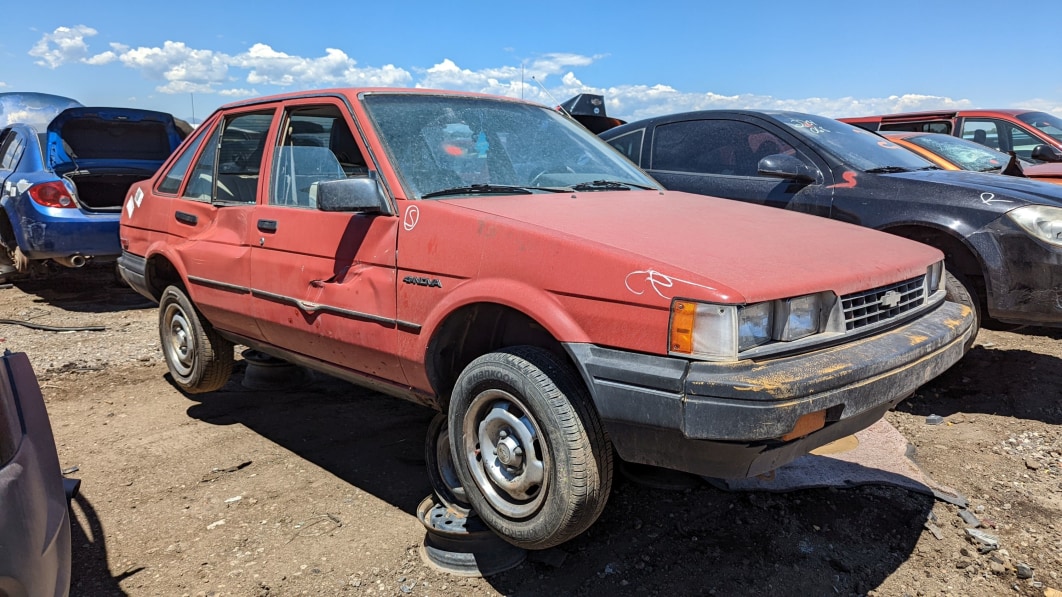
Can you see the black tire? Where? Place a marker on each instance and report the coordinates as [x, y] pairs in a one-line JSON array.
[[199, 359], [958, 290], [442, 473], [550, 470]]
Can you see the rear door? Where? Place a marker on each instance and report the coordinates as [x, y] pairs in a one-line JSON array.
[[210, 221], [324, 282]]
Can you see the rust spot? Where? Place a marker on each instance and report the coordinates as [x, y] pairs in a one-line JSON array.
[[917, 339]]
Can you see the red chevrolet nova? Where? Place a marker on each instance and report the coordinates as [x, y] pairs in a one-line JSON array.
[[494, 260]]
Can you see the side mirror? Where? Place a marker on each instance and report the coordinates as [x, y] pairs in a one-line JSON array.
[[780, 165], [360, 194], [1046, 153]]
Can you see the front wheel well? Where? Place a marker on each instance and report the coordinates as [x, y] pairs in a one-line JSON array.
[[474, 330], [958, 257]]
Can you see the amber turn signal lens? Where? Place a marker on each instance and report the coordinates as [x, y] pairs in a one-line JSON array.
[[682, 316], [806, 424]]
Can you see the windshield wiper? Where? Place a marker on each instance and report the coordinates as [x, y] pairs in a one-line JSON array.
[[887, 170], [482, 189], [608, 185]]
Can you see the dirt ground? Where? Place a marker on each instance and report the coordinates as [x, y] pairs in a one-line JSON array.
[[314, 490]]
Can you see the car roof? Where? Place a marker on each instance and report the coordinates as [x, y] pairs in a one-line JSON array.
[[938, 114], [700, 114], [351, 93]]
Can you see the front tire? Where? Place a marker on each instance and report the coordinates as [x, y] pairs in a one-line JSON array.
[[958, 290], [528, 447], [199, 359]]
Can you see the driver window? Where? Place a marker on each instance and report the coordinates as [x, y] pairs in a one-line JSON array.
[[728, 147], [984, 132], [316, 145]]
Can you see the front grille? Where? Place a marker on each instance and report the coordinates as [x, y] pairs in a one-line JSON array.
[[865, 308]]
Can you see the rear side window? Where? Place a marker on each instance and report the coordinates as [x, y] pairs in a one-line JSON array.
[[228, 167]]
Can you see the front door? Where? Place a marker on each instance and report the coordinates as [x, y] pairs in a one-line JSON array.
[[323, 282]]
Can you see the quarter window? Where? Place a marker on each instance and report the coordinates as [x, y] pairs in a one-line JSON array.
[[172, 182], [11, 152], [630, 145]]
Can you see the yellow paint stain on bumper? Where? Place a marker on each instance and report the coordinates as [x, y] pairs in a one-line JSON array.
[[916, 339]]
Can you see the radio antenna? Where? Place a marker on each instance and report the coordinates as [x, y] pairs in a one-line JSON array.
[[546, 91]]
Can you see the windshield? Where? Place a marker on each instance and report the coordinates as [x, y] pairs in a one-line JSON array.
[[446, 146], [855, 147], [1047, 124], [967, 155]]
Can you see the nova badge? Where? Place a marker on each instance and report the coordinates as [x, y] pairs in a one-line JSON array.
[[429, 282], [890, 300]]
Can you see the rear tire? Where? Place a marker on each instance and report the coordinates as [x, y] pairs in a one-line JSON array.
[[199, 359], [529, 447], [959, 290]]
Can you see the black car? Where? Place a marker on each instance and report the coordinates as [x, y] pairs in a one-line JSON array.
[[1001, 236]]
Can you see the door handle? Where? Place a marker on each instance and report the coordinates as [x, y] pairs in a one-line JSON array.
[[186, 218], [267, 225]]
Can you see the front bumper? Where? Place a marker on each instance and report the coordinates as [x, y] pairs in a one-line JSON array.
[[727, 419], [1024, 275]]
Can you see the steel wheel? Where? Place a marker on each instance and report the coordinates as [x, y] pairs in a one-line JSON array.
[[199, 359], [530, 450], [505, 454]]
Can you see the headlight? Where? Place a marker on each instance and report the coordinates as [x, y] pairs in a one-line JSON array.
[[1041, 221], [721, 332]]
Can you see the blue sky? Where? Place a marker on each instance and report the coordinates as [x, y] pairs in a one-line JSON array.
[[829, 57]]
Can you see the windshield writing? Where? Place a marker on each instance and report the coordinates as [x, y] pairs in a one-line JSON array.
[[856, 147]]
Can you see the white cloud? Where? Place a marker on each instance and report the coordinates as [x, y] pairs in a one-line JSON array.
[[238, 93], [65, 44], [185, 69], [270, 67]]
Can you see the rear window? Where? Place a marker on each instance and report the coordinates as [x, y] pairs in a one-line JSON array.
[[106, 139]]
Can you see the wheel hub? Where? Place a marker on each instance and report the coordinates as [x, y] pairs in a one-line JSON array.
[[510, 453]]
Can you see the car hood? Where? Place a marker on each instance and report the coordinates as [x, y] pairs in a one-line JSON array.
[[992, 192], [680, 244], [1045, 170], [97, 137]]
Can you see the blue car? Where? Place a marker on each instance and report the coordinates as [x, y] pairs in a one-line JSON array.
[[63, 184]]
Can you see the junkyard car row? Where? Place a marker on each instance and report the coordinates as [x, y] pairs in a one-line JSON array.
[[496, 261]]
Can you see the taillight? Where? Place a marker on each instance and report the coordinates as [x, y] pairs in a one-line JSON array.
[[52, 194]]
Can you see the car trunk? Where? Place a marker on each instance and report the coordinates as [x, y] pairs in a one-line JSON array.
[[105, 150]]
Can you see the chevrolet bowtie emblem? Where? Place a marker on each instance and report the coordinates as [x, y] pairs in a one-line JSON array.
[[890, 299]]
